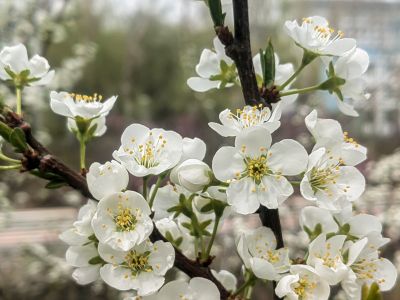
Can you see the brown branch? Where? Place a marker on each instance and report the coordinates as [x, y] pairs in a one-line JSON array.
[[38, 157], [238, 47]]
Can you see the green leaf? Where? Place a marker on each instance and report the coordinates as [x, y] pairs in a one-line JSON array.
[[55, 184], [269, 65], [96, 260], [5, 131], [216, 12], [17, 139], [48, 175], [207, 208]]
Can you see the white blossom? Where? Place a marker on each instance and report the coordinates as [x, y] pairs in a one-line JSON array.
[[14, 62], [141, 268], [193, 149], [234, 123], [303, 283], [197, 288], [315, 35], [147, 151], [227, 279], [122, 220], [106, 179], [328, 182], [82, 247], [215, 70], [192, 174], [328, 134], [351, 67], [367, 267], [258, 252], [72, 105], [255, 170], [325, 255]]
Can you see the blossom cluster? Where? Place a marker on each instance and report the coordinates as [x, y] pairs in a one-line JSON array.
[[116, 234]]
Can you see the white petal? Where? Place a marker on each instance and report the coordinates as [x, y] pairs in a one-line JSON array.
[[288, 157], [193, 148], [253, 141], [86, 275], [204, 289], [340, 46], [242, 196], [199, 84], [208, 65], [263, 269], [227, 162]]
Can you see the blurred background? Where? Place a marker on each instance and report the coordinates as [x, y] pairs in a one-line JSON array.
[[144, 51]]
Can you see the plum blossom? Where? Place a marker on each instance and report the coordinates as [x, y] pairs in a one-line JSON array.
[[328, 182], [75, 106], [192, 174], [109, 178], [216, 70], [258, 251], [234, 123], [367, 267], [328, 134], [303, 283], [197, 288], [351, 67], [193, 149], [315, 35], [82, 251], [326, 257], [255, 170], [15, 65], [141, 268], [122, 220], [227, 279], [147, 151]]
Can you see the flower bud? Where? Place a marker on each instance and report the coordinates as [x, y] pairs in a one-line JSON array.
[[192, 174], [106, 179]]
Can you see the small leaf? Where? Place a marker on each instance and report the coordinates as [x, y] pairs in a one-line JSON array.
[[269, 66], [17, 139], [5, 131], [55, 184], [96, 260], [216, 12], [207, 208]]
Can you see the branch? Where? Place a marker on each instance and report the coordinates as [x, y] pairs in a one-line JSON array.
[[238, 48], [40, 158]]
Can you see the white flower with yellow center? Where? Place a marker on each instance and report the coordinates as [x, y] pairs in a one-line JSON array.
[[197, 288], [141, 268], [15, 65], [82, 106], [328, 182], [122, 220], [234, 123], [367, 267], [315, 35], [106, 179], [258, 251], [255, 170], [82, 250], [325, 255], [328, 134], [147, 151], [351, 67], [215, 70], [303, 283]]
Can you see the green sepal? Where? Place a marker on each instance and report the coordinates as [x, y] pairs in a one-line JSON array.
[[267, 59], [5, 131], [96, 260], [371, 293], [216, 13], [18, 140]]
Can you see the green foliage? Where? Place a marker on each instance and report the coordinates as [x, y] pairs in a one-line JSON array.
[[267, 58], [371, 293]]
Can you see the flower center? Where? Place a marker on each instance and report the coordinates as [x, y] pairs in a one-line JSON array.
[[304, 286], [86, 98], [349, 140], [125, 220], [148, 153], [322, 177], [250, 116], [323, 33], [138, 262], [366, 270], [257, 168]]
